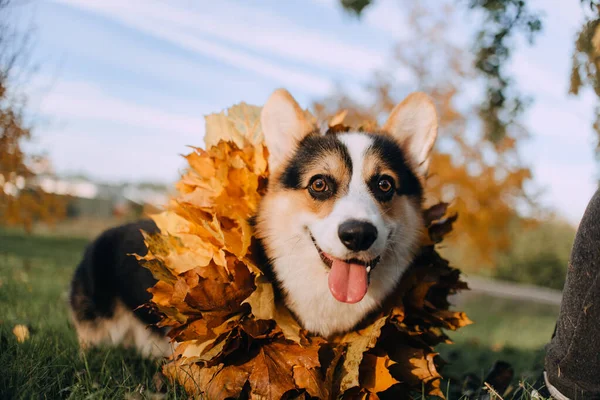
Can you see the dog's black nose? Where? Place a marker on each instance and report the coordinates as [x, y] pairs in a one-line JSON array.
[[357, 235]]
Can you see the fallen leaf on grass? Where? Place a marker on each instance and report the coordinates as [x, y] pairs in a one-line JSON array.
[[21, 332]]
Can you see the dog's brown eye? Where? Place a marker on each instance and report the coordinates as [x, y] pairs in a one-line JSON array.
[[319, 185], [385, 185]]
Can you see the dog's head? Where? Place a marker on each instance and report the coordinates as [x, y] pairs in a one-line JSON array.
[[343, 210]]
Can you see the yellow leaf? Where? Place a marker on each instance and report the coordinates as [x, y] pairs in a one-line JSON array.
[[375, 375], [357, 343], [262, 300], [204, 166], [171, 223], [161, 293], [21, 332], [235, 335], [194, 252], [424, 368], [338, 118], [289, 326], [262, 303], [241, 125]]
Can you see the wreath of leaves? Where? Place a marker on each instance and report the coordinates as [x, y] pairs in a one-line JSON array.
[[234, 338]]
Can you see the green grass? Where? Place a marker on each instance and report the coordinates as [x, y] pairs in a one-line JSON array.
[[503, 330], [501, 323], [34, 277]]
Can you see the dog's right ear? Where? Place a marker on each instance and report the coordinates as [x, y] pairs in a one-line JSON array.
[[414, 124], [284, 126]]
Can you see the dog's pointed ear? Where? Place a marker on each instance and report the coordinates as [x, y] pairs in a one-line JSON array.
[[284, 125], [413, 123]]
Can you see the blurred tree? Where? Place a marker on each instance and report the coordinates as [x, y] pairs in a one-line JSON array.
[[501, 21], [538, 256], [484, 180], [21, 200], [586, 59], [492, 46]]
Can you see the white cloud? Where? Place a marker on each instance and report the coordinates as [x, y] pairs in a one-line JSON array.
[[251, 38], [262, 30], [567, 120], [244, 27], [70, 101], [106, 137], [388, 17], [119, 154], [556, 13]]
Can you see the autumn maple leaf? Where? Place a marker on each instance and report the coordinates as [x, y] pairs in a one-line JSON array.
[[234, 336]]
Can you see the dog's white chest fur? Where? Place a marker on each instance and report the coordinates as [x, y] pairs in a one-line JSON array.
[[308, 295]]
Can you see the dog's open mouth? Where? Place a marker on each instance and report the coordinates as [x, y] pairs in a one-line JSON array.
[[348, 279]]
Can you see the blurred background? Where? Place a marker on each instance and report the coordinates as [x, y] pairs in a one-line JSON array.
[[99, 99]]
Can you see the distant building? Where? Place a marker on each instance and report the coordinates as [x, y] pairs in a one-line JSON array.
[[92, 199]]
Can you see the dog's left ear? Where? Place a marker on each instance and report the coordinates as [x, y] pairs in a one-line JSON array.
[[413, 123], [284, 125]]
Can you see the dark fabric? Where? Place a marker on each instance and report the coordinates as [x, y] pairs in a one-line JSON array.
[[573, 355]]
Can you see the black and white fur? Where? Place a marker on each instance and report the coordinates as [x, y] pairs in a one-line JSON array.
[[109, 290], [287, 228]]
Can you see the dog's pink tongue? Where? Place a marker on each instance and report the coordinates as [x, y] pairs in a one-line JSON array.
[[348, 283]]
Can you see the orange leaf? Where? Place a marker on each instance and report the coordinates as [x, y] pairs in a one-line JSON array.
[[374, 373], [236, 338], [272, 369], [357, 343]]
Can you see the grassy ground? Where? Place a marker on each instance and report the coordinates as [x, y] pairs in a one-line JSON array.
[[503, 330], [34, 276]]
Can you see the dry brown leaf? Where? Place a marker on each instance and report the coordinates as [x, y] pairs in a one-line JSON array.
[[289, 326], [441, 228], [338, 118], [211, 295], [235, 337], [435, 212], [375, 373], [311, 381], [357, 343], [262, 300], [217, 382], [419, 362], [272, 369]]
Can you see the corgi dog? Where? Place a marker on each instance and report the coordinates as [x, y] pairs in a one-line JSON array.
[[340, 223], [342, 217]]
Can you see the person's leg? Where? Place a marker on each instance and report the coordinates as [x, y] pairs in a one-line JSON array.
[[573, 355]]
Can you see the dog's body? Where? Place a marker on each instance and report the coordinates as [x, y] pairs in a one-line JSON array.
[[341, 220], [108, 288]]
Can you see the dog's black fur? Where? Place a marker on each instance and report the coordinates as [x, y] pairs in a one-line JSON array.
[[109, 272]]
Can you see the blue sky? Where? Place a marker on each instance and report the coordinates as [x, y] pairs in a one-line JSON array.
[[123, 85]]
